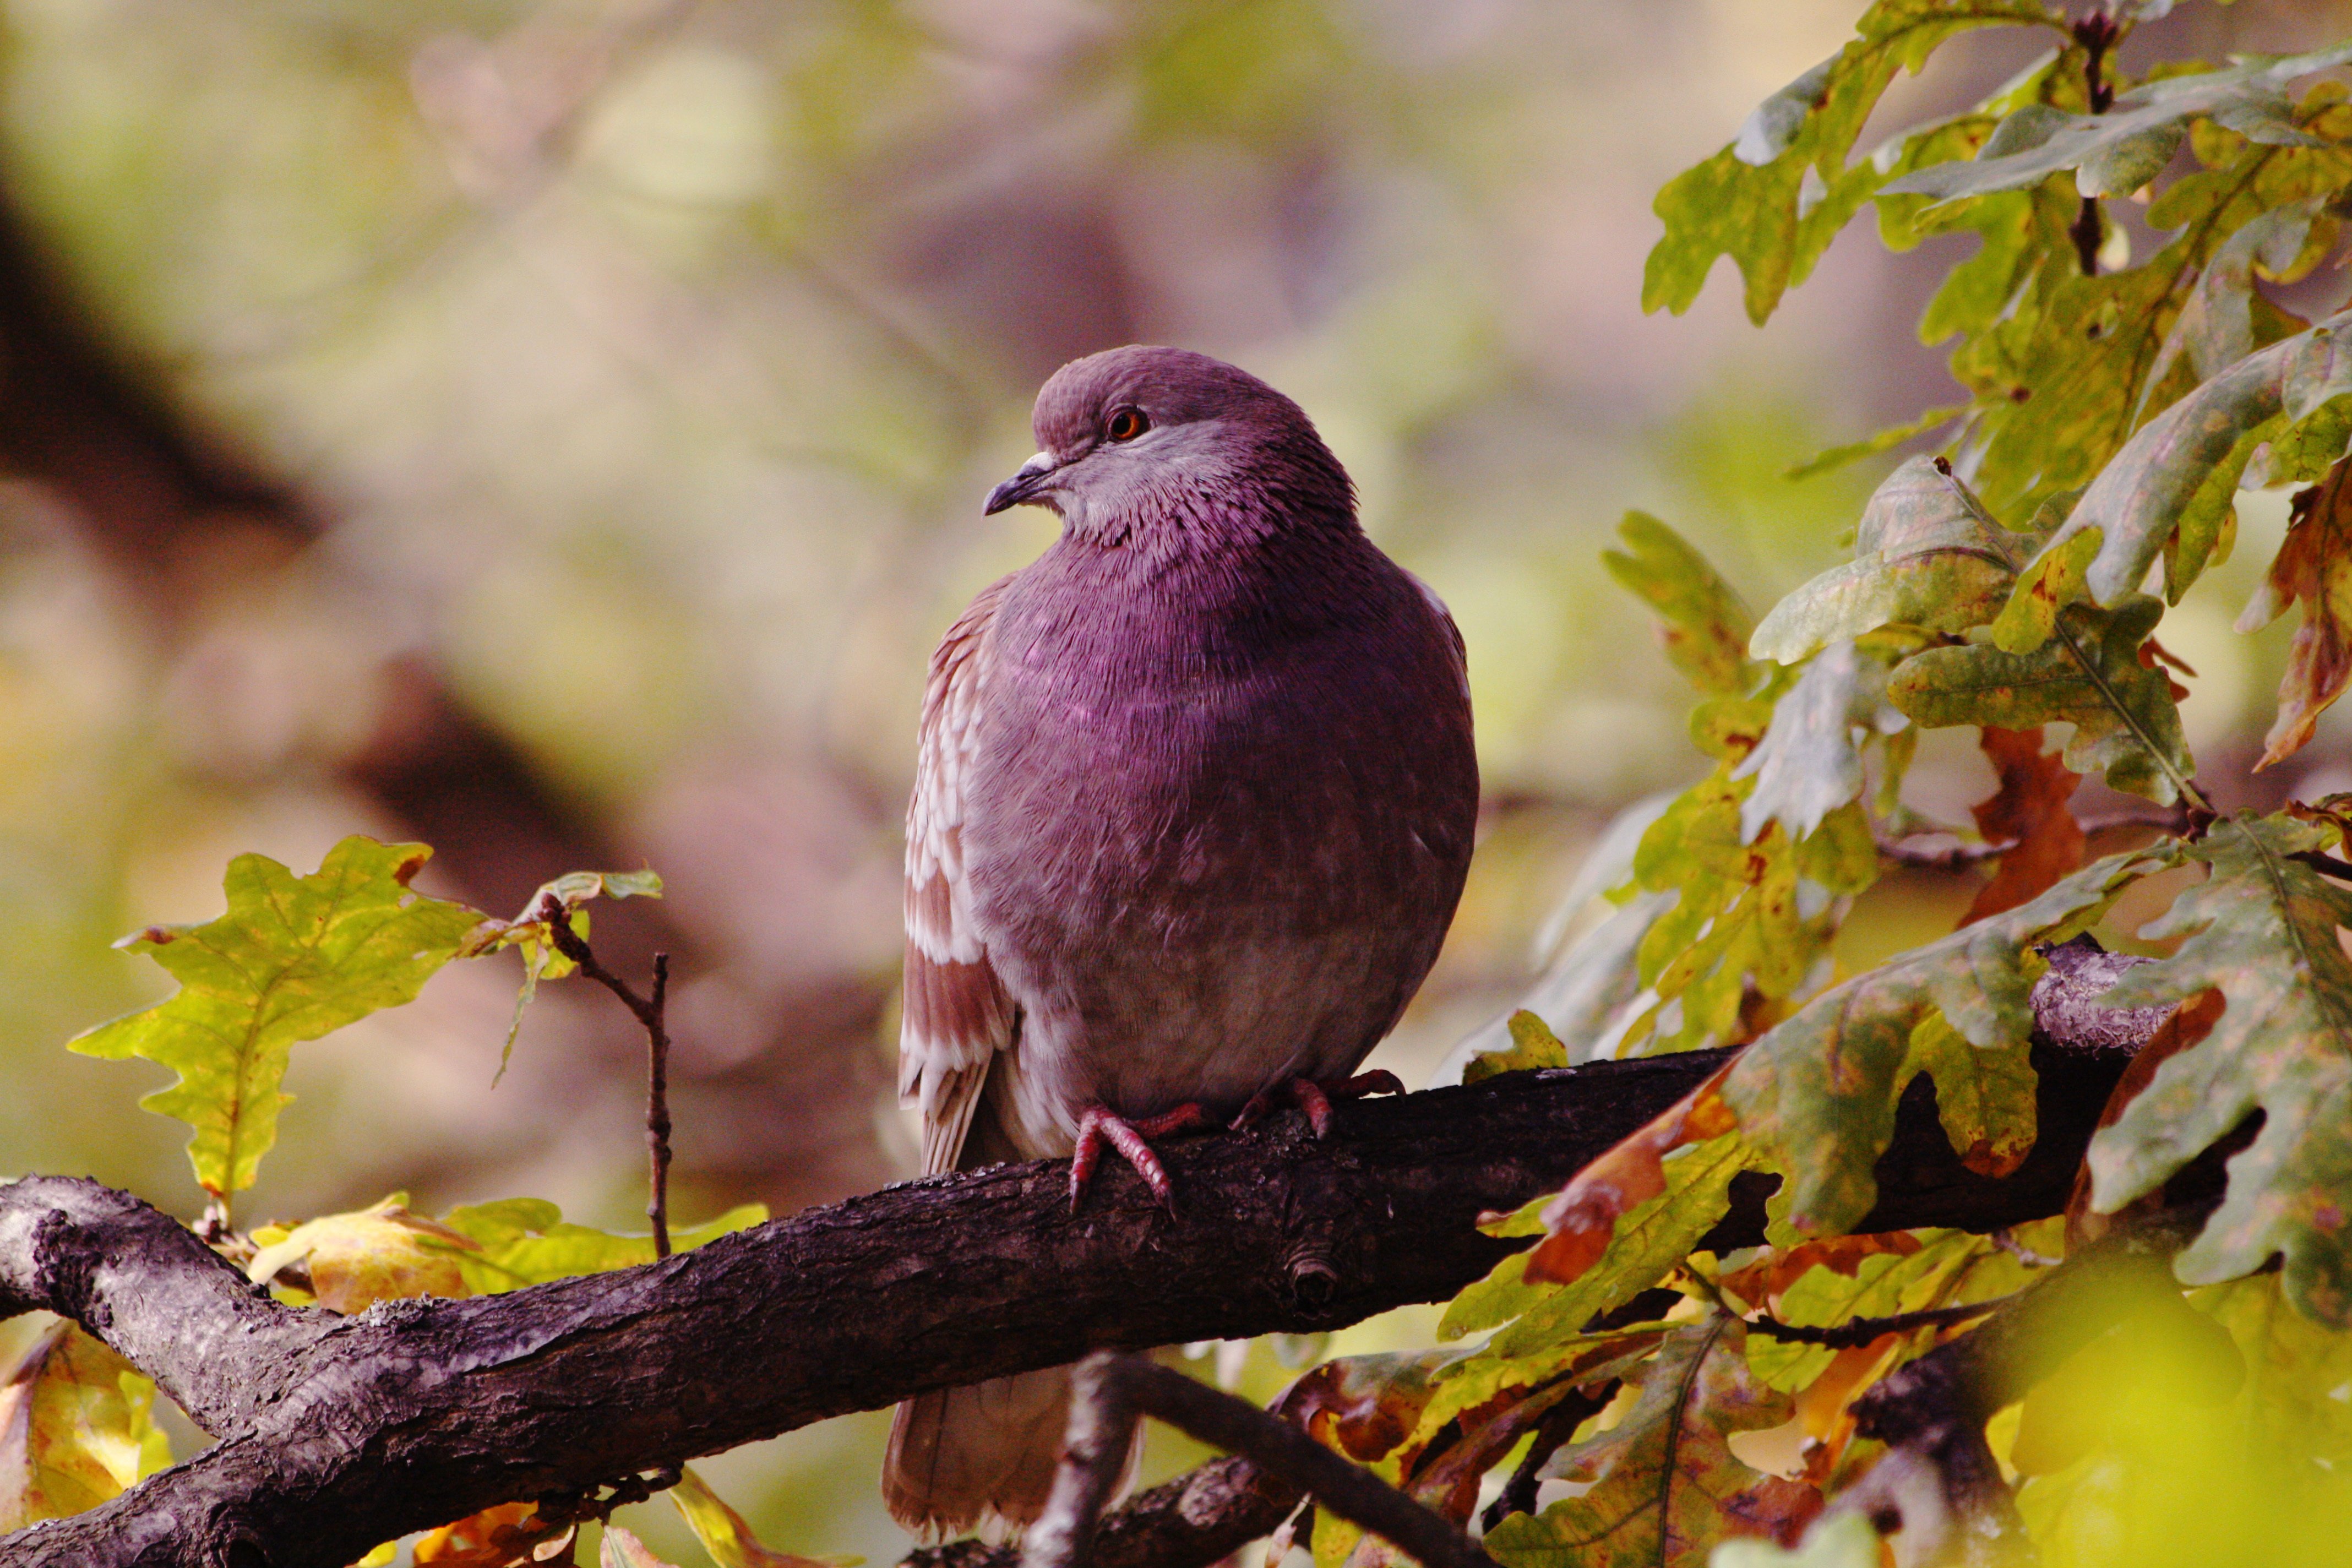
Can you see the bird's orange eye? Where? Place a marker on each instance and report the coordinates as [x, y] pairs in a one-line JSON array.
[[1125, 424]]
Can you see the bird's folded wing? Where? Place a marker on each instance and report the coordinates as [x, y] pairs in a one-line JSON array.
[[956, 1016]]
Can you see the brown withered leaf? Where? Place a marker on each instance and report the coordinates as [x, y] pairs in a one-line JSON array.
[[2028, 810], [1449, 1484], [1366, 1406], [2314, 565], [2182, 1027], [1584, 1216]]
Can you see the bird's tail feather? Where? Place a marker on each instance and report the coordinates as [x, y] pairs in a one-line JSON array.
[[979, 1457]]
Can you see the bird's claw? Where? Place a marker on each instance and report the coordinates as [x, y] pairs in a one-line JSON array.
[[1315, 1099], [1099, 1126]]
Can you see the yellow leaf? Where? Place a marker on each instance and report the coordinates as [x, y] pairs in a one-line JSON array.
[[380, 1254], [75, 1429], [726, 1537]]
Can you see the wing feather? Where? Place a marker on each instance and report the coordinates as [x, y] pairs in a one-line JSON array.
[[956, 1016]]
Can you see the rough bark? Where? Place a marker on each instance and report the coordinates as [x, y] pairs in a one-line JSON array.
[[337, 1433]]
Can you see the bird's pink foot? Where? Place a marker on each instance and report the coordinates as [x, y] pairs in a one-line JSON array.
[[1315, 1099], [1098, 1127]]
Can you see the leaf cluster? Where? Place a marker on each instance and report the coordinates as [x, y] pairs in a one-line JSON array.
[[2011, 580], [292, 959]]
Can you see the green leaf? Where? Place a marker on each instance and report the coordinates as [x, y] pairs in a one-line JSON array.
[[1925, 555], [1872, 445], [2089, 675], [1663, 1484], [1809, 763], [2262, 930], [2289, 1410], [1984, 1099], [2177, 476], [1775, 198], [1470, 1381], [1742, 917], [526, 1241], [2062, 371], [1650, 1240], [1533, 1045], [2116, 153], [1706, 627], [1816, 1095], [293, 959]]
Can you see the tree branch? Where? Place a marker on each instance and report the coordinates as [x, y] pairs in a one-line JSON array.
[[956, 1278]]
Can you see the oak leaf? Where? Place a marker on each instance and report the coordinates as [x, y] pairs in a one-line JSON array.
[[292, 959]]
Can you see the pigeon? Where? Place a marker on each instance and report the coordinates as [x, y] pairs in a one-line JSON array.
[[1195, 799]]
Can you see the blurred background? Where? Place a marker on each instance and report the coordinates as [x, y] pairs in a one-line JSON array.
[[557, 432]]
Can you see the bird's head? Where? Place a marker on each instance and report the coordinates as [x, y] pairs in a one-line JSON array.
[[1138, 441]]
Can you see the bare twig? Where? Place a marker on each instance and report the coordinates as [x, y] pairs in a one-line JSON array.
[[1094, 1456], [1109, 1390], [649, 1011], [658, 1111], [1862, 1330]]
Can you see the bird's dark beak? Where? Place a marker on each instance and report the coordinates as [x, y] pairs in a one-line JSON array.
[[1023, 486]]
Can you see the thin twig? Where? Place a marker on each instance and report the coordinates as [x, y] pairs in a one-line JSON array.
[[1109, 1390], [2006, 1239], [2097, 34], [1094, 1458], [2324, 864], [648, 1010], [1350, 1491], [1912, 852], [1862, 1330], [657, 1110], [1200, 1517]]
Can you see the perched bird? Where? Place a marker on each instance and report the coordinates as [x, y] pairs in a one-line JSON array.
[[1193, 806]]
